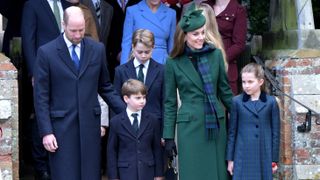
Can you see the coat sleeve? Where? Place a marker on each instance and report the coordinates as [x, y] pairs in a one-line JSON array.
[[157, 149], [28, 34], [128, 29], [172, 31], [239, 35], [106, 89], [112, 151], [224, 90], [42, 94], [117, 82], [275, 131], [232, 132], [170, 101]]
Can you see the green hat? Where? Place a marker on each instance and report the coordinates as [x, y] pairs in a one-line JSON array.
[[192, 20]]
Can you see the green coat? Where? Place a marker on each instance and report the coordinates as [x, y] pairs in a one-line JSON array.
[[198, 157]]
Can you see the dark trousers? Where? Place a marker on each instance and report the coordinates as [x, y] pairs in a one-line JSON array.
[[39, 153]]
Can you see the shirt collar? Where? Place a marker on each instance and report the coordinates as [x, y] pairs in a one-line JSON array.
[[136, 63], [68, 42], [129, 112]]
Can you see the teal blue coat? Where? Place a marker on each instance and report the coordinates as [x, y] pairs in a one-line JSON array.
[[199, 158]]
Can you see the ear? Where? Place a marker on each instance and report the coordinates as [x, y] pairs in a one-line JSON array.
[[125, 98], [261, 81]]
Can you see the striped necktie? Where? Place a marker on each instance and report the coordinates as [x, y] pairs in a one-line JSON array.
[[56, 12], [140, 73], [98, 11], [135, 124]]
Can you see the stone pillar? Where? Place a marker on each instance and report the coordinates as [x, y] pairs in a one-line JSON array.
[[9, 142], [300, 152], [305, 14]]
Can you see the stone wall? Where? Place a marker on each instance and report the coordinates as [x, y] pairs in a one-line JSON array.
[[300, 78], [9, 153]]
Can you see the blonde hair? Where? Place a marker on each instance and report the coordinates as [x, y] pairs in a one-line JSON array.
[[211, 30], [133, 87], [144, 37]]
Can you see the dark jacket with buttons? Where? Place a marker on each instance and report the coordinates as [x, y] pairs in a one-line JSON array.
[[131, 155], [254, 135]]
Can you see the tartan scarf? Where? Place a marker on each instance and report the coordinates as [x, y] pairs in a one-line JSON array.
[[211, 118]]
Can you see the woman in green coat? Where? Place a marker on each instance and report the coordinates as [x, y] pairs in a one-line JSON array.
[[196, 68]]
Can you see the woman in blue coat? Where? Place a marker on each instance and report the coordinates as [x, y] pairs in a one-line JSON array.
[[156, 17], [254, 133]]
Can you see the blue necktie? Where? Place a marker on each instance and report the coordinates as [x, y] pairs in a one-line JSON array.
[[74, 56], [135, 122]]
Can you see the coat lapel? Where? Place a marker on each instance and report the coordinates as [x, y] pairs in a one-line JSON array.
[[144, 123], [130, 71], [154, 18], [152, 73], [259, 104], [65, 55], [49, 12], [127, 125], [86, 55], [187, 68]]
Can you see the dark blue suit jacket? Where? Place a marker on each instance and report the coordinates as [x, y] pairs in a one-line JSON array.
[[39, 26], [66, 105], [154, 82], [134, 156]]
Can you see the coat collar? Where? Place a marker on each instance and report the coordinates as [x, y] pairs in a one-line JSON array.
[[188, 69], [152, 71], [143, 124], [86, 53], [255, 109], [154, 18], [262, 97]]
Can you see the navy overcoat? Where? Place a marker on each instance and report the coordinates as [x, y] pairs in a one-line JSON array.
[[66, 105], [253, 139]]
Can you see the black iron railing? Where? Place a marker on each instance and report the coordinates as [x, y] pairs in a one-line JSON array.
[[276, 89]]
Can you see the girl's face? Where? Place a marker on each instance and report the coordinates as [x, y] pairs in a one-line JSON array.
[[195, 39], [251, 84], [142, 52]]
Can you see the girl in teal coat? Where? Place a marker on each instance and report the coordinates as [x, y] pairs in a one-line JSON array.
[[196, 69]]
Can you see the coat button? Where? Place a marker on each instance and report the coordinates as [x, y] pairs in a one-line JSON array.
[[257, 126], [256, 135]]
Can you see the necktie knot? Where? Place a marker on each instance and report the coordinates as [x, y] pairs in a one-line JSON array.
[[134, 115]]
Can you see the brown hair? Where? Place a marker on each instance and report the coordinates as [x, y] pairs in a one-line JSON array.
[[143, 36], [132, 87], [257, 70]]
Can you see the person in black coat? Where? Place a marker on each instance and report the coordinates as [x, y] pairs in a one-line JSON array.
[[134, 149]]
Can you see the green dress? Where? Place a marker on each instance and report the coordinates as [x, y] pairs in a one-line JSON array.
[[199, 158]]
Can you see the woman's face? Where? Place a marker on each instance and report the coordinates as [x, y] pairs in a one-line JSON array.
[[195, 39]]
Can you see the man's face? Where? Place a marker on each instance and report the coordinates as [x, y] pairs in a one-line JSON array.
[[74, 29]]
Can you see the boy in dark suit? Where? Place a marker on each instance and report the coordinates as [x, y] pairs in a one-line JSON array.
[[144, 68], [134, 149]]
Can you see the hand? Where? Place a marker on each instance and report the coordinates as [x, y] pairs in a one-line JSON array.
[[230, 167], [158, 178], [170, 148], [0, 132], [274, 167], [103, 131], [50, 143], [162, 142]]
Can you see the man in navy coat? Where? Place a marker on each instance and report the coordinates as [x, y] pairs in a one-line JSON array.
[[39, 26], [68, 74]]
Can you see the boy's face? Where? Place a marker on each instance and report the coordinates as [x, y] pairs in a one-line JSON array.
[[142, 52], [135, 102]]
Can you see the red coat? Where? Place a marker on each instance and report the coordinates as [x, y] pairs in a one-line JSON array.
[[232, 23]]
